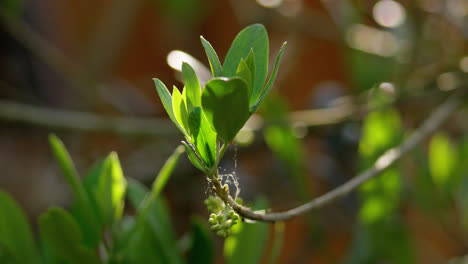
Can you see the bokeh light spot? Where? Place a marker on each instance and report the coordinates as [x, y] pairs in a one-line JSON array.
[[389, 13]]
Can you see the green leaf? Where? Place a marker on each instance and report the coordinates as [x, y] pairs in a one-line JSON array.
[[271, 81], [110, 191], [85, 211], [193, 157], [204, 137], [166, 172], [225, 103], [254, 37], [202, 250], [153, 230], [180, 110], [215, 65], [152, 220], [250, 61], [16, 238], [442, 160], [243, 72], [62, 233], [166, 99], [247, 242], [191, 85]]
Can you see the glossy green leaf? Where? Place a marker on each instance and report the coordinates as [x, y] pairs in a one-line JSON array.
[[166, 99], [225, 103], [243, 72], [204, 137], [442, 160], [248, 241], [110, 192], [180, 110], [187, 101], [253, 37], [153, 230], [202, 249], [191, 85], [16, 238], [85, 211], [194, 159], [271, 81], [62, 233], [213, 59]]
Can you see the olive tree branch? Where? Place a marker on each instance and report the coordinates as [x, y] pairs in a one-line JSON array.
[[442, 113]]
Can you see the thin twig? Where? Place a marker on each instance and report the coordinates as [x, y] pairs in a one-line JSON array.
[[442, 113], [82, 121]]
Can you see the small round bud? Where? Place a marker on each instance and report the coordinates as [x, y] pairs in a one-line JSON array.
[[221, 233], [219, 217]]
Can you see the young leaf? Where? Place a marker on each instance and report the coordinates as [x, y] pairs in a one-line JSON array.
[[180, 110], [204, 137], [166, 99], [194, 159], [166, 172], [225, 102], [187, 101], [88, 220], [15, 233], [110, 192], [243, 72], [62, 233], [191, 85], [215, 65], [254, 37], [269, 85]]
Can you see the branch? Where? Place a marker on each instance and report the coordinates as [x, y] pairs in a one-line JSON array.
[[442, 113], [81, 121]]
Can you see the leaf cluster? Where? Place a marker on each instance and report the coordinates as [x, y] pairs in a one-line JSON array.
[[213, 115]]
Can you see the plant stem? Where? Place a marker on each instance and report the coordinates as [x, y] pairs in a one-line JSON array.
[[435, 120]]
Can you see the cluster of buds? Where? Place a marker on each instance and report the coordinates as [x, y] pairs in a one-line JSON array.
[[222, 222], [222, 218]]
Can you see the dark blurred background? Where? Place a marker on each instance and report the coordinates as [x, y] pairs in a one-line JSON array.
[[83, 70]]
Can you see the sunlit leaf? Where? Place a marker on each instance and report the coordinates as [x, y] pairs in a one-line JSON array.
[[166, 99], [191, 85], [180, 110], [110, 191], [225, 103], [253, 37], [16, 238], [204, 137], [213, 59]]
